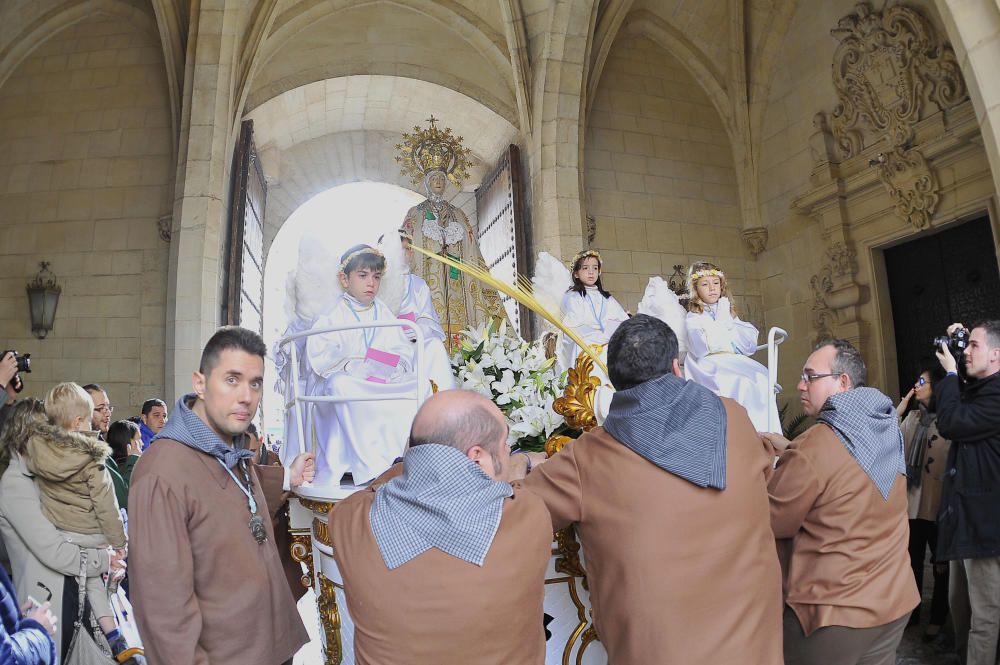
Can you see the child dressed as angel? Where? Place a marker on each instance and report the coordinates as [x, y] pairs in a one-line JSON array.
[[588, 308], [362, 438], [720, 346]]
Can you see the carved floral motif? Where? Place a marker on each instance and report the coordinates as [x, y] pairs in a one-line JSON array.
[[889, 66]]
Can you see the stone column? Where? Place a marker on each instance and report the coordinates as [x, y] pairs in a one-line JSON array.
[[555, 156], [202, 190], [973, 28]]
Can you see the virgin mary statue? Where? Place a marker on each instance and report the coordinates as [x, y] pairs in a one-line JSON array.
[[438, 226]]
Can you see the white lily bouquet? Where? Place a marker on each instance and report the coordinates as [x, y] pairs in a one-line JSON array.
[[517, 377]]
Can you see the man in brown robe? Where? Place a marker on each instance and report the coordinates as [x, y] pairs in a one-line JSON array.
[[670, 503], [207, 582], [444, 563], [839, 510]]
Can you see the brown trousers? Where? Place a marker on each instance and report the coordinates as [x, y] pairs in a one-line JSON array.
[[839, 645]]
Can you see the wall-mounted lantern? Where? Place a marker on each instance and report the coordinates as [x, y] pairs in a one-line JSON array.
[[43, 298]]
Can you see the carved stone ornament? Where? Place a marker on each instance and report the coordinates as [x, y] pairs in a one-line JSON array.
[[823, 318], [163, 227], [887, 65], [889, 68], [756, 240], [912, 185], [841, 259]]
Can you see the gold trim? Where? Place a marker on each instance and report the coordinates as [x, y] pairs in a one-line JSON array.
[[577, 402], [581, 614], [555, 443], [329, 614], [316, 506], [321, 532], [568, 553], [301, 550]]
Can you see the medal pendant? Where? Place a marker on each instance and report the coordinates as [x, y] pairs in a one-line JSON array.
[[257, 528]]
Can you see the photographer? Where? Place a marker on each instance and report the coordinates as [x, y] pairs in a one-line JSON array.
[[968, 530], [9, 380]]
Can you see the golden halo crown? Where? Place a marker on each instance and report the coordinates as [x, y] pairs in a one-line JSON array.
[[364, 249], [433, 149], [584, 254], [713, 272]]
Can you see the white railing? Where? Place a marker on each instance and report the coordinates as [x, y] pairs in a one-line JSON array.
[[775, 336], [297, 400]]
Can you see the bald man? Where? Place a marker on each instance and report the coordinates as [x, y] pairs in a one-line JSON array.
[[445, 563]]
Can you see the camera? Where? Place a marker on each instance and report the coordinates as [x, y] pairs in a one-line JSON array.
[[23, 362], [956, 342]]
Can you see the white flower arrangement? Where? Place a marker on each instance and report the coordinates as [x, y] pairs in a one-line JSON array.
[[517, 377]]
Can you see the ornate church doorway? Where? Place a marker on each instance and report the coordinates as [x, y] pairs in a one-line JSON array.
[[937, 280]]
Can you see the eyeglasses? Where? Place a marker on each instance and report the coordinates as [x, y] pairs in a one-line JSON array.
[[809, 378], [922, 381], [105, 408]]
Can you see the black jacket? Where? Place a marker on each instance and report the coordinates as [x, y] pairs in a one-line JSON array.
[[969, 517]]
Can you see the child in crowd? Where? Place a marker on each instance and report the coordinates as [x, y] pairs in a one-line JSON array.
[[75, 488], [360, 437], [720, 346], [588, 308]]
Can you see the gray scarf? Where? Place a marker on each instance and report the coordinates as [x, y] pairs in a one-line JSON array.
[[442, 500], [186, 427], [677, 425], [918, 449], [866, 423]]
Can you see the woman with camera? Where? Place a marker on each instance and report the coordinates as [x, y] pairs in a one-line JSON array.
[[926, 456]]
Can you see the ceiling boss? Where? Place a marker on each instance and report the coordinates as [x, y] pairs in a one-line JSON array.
[[433, 157]]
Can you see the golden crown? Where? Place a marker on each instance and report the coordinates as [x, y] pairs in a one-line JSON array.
[[713, 272], [432, 149]]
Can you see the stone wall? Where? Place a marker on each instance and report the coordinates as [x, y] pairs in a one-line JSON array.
[[85, 174], [803, 221], [659, 175]]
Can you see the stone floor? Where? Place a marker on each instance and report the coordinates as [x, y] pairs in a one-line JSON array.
[[914, 651]]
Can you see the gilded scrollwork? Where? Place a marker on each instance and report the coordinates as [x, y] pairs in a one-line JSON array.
[[316, 506], [301, 551], [329, 615], [568, 553], [577, 402], [321, 532]]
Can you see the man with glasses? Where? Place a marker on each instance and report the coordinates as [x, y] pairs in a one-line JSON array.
[[968, 528], [839, 512], [101, 419]]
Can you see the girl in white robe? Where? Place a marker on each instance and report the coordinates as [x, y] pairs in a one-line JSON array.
[[589, 310], [360, 437], [720, 346]]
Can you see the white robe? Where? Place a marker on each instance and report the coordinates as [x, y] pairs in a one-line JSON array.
[[719, 346], [292, 445], [360, 437], [417, 306], [593, 317]]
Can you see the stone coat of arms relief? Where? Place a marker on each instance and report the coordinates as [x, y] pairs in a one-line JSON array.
[[890, 72]]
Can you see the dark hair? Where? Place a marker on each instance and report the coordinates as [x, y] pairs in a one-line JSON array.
[[934, 370], [462, 429], [369, 260], [230, 337], [119, 435], [643, 348], [148, 405], [579, 286], [992, 328], [847, 361], [94, 388]]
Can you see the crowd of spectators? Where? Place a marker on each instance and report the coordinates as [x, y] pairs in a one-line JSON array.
[[854, 505]]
